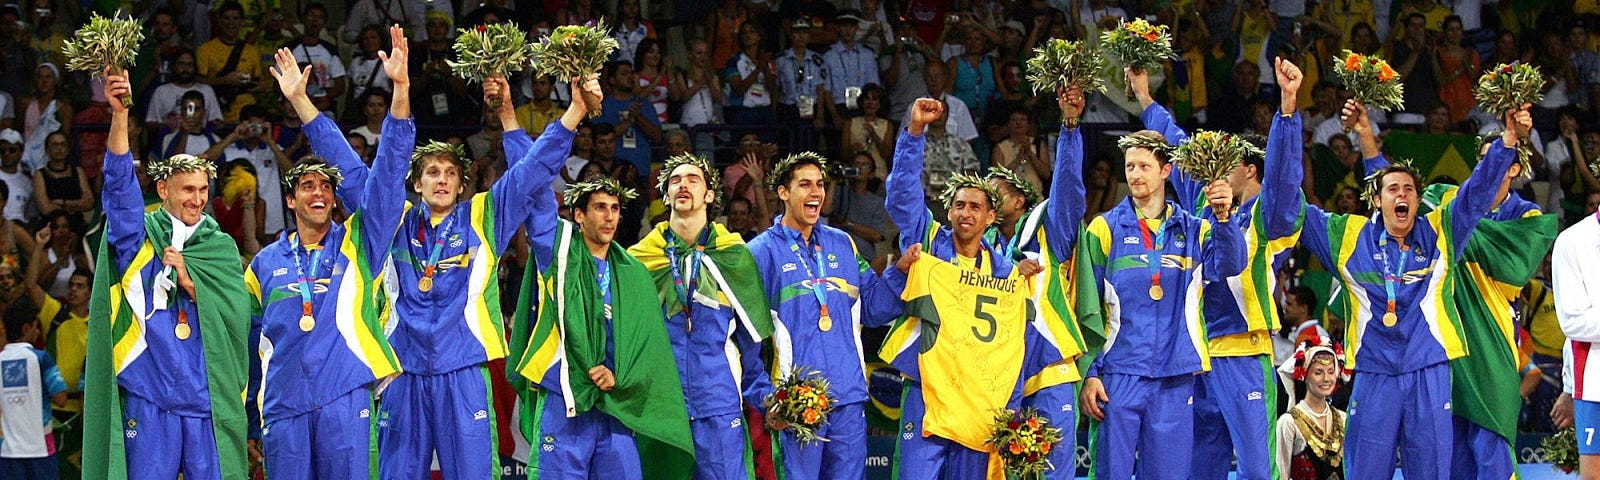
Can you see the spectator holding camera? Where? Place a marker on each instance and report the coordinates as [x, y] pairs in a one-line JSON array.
[[251, 141], [166, 112], [193, 136]]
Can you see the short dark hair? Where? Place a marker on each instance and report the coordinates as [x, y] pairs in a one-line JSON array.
[[193, 95], [230, 5], [746, 202], [612, 66], [17, 316], [1303, 295], [1258, 161], [84, 272], [74, 221], [254, 110], [307, 8], [602, 128], [379, 92]]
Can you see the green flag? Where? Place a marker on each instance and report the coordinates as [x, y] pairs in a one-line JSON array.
[[212, 259]]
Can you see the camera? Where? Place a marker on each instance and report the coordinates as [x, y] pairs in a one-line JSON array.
[[953, 18], [256, 129], [849, 171], [190, 110]]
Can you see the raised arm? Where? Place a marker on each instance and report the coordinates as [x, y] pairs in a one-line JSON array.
[[383, 199], [531, 176], [905, 200], [1477, 195], [1224, 252], [121, 197], [396, 66], [1284, 167], [1155, 117], [1065, 209], [326, 139]]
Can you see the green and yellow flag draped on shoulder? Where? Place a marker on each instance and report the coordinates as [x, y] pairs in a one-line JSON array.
[[730, 265], [212, 258], [570, 331]]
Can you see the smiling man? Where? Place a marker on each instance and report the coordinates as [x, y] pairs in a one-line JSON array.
[[823, 291], [167, 366], [715, 310]]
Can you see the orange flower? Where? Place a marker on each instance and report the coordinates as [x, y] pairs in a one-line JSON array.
[[822, 402], [1151, 36], [805, 389], [570, 37], [1033, 423], [1385, 72], [1352, 63], [1016, 448], [811, 415], [1045, 448]]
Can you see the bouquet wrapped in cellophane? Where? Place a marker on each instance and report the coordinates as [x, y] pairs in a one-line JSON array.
[[1139, 44], [1210, 155], [802, 399], [104, 43], [572, 52], [1024, 440], [1507, 87], [1371, 79], [494, 50], [1064, 64]]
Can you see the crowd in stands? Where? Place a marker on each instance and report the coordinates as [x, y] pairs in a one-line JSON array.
[[746, 81]]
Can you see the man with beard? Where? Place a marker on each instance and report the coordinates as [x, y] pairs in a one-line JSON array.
[[823, 292], [166, 364], [165, 112], [716, 313]]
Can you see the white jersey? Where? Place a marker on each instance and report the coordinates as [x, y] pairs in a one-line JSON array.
[[27, 378]]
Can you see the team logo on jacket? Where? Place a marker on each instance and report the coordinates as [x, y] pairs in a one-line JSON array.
[[789, 267], [735, 423], [280, 272], [549, 444], [1130, 241], [480, 415], [1253, 396], [321, 286]]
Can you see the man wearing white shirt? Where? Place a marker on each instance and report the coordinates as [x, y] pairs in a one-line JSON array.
[[192, 137], [849, 63], [254, 145], [959, 122], [165, 102], [28, 379], [409, 13], [18, 180], [328, 77], [1575, 270]]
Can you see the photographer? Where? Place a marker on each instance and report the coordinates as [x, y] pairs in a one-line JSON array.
[[251, 141], [857, 206], [193, 135]]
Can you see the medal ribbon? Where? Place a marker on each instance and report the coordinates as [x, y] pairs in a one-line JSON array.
[[603, 277], [818, 279], [306, 281], [1153, 257], [1390, 275], [687, 288], [439, 235]]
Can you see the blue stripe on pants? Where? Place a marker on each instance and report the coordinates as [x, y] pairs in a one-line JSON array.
[[1410, 411], [1231, 416]]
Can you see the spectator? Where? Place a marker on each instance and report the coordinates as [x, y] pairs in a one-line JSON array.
[[1432, 12], [1568, 156], [630, 29], [677, 142], [902, 65], [47, 41], [358, 142], [59, 186], [870, 133], [655, 79], [1324, 105], [65, 320], [230, 63], [700, 91], [974, 73], [541, 109], [1342, 16], [1100, 14], [1233, 116], [857, 207], [1438, 122], [251, 141], [29, 450], [802, 77], [16, 60], [876, 31], [289, 133], [1255, 24], [43, 114], [751, 78], [1415, 58], [156, 54], [1347, 201], [638, 125], [739, 218], [1586, 64], [366, 72], [1332, 168], [1561, 80], [726, 28], [64, 253], [1100, 187], [485, 143], [1362, 40], [8, 110], [577, 12], [753, 155], [328, 80], [410, 13], [606, 143], [193, 136], [947, 155], [848, 62], [165, 111], [1507, 49], [493, 11], [17, 178], [15, 242], [1024, 153], [442, 95], [957, 119], [237, 207], [375, 106], [582, 150]]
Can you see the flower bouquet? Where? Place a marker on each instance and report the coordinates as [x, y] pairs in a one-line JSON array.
[[1508, 87], [1024, 440], [1064, 64], [572, 52], [495, 50], [1210, 156], [1139, 44], [1371, 79], [104, 43], [803, 400], [1561, 449]]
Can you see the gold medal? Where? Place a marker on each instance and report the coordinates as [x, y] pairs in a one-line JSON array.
[[825, 323], [1156, 292], [1389, 319], [307, 323], [181, 331], [425, 284]]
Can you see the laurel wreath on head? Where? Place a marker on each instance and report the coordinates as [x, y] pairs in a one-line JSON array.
[[1030, 195], [607, 185], [293, 175], [960, 180], [786, 166], [162, 169], [713, 178], [457, 153], [1369, 192], [1140, 141]]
